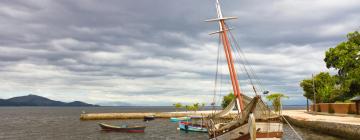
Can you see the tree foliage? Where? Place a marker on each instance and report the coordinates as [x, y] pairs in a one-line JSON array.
[[202, 106], [177, 106], [194, 107], [188, 108], [345, 58], [326, 88], [227, 99], [275, 99]]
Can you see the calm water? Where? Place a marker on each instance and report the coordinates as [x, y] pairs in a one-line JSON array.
[[60, 123]]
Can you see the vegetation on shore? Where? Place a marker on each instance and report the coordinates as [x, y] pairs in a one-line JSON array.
[[194, 107], [345, 58], [227, 99], [275, 99]]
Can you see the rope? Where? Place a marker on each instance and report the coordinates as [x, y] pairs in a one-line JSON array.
[[255, 77], [292, 128], [216, 75], [251, 74], [221, 75], [289, 123]]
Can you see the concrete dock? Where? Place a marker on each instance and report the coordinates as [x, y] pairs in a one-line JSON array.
[[341, 125], [109, 116]]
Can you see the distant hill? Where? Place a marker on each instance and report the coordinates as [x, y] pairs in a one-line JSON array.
[[34, 100]]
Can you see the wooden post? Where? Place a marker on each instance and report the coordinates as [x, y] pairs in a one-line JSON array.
[[307, 104], [357, 104], [314, 101]]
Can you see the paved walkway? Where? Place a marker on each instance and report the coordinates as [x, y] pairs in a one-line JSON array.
[[339, 118]]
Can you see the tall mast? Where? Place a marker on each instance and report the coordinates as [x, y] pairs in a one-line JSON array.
[[227, 49]]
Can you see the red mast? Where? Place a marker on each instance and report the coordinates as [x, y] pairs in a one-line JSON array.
[[227, 49]]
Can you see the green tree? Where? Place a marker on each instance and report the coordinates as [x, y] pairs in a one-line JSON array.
[[202, 106], [325, 87], [227, 99], [177, 106], [195, 107], [345, 58], [275, 99], [188, 108]]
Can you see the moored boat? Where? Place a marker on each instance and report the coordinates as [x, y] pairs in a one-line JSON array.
[[188, 126], [123, 128], [173, 119], [149, 118]]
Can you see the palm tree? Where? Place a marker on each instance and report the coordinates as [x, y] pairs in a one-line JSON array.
[[275, 99], [177, 106], [188, 108], [196, 107], [202, 106]]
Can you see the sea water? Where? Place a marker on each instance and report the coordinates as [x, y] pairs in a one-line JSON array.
[[63, 123]]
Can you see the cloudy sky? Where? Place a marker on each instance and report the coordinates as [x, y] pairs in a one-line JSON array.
[[159, 52]]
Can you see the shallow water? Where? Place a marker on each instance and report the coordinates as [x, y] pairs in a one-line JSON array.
[[58, 123]]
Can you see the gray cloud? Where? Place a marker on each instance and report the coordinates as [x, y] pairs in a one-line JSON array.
[[159, 51]]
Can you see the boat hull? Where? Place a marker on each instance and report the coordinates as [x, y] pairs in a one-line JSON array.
[[185, 126], [149, 118], [179, 119], [265, 131], [134, 129]]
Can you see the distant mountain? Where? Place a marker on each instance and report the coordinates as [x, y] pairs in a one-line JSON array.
[[34, 100], [78, 103], [3, 102]]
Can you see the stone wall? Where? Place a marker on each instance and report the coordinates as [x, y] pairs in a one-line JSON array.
[[348, 131], [340, 108]]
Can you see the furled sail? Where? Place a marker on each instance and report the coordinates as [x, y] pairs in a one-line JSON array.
[[227, 110], [261, 111], [238, 121]]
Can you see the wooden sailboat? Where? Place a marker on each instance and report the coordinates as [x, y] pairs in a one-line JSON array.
[[254, 119]]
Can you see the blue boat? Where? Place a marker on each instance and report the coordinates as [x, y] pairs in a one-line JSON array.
[[188, 126], [173, 119]]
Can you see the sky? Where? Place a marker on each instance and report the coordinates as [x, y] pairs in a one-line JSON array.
[[159, 52]]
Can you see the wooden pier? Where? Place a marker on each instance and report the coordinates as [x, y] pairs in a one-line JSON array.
[[110, 116]]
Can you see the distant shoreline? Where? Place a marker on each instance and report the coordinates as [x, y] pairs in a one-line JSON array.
[[35, 100]]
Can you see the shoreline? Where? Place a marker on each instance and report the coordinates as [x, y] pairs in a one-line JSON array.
[[340, 125]]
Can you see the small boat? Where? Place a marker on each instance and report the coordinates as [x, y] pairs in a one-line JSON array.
[[123, 128], [188, 126], [173, 119], [149, 118]]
